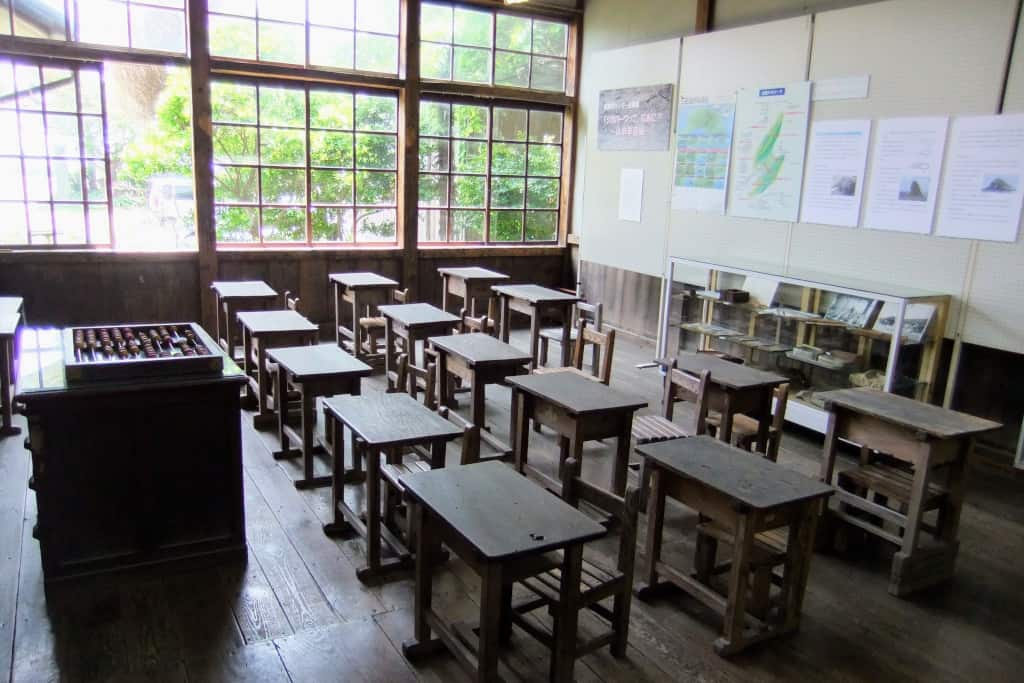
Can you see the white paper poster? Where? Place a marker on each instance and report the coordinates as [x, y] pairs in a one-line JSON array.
[[768, 151], [838, 153], [631, 194], [905, 169], [703, 141], [981, 197]]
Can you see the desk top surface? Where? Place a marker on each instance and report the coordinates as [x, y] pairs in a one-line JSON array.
[[269, 322], [318, 360], [501, 513], [575, 393], [11, 304], [749, 479], [730, 375], [411, 315], [9, 323], [473, 273], [906, 412], [390, 419], [535, 294], [480, 349], [245, 289], [357, 280]]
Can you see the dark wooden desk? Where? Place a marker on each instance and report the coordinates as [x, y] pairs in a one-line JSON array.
[[501, 525], [412, 322], [578, 409], [8, 333], [312, 371], [470, 284], [745, 496], [360, 294], [381, 424], [736, 389], [535, 301], [928, 438], [246, 295], [263, 330], [480, 360]]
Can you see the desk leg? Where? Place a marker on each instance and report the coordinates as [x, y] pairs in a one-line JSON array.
[[949, 513], [491, 598], [218, 321], [799, 550], [372, 516], [338, 527], [281, 389], [725, 428], [566, 339], [262, 381], [337, 313], [7, 427], [308, 405], [478, 412], [735, 611], [520, 429], [250, 397], [506, 318], [564, 658], [389, 353], [444, 292], [229, 332], [621, 470], [357, 329], [410, 341], [764, 422], [535, 316], [426, 550], [655, 525]]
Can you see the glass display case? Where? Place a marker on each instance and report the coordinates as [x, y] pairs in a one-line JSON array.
[[820, 332]]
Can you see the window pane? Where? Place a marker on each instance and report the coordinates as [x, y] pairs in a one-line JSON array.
[[332, 225], [376, 151], [27, 80], [541, 226], [11, 188], [509, 124], [337, 13], [436, 61], [468, 191], [285, 43], [508, 158], [234, 184], [433, 190], [105, 23], [158, 29], [282, 107], [376, 225], [508, 193], [99, 224], [506, 226], [96, 181], [376, 113], [512, 69], [284, 225], [283, 186], [11, 143], [330, 109], [234, 144], [92, 128], [281, 146], [331, 47], [245, 8], [66, 180], [233, 102], [237, 224], [89, 89], [231, 37], [60, 90], [469, 121], [435, 118], [376, 53], [548, 74], [33, 135], [472, 27], [330, 149], [433, 225], [283, 10], [467, 226], [62, 134], [545, 126], [470, 157], [472, 65], [331, 187], [549, 38], [37, 180], [30, 24], [542, 193], [433, 154], [545, 160], [513, 33], [379, 16], [12, 224], [40, 224], [70, 223], [375, 188], [436, 23]]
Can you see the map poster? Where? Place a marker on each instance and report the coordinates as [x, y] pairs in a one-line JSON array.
[[703, 141], [635, 119], [768, 151]]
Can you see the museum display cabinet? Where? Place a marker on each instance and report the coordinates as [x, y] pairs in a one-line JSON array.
[[823, 333]]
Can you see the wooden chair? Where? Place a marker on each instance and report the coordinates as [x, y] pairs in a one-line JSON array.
[[603, 344], [744, 428], [592, 314], [470, 324], [425, 377], [598, 583], [291, 303], [373, 326]]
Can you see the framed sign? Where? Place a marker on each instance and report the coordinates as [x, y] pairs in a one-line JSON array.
[[635, 119]]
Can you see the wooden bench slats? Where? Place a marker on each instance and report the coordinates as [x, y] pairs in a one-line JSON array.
[[769, 546], [892, 482], [653, 428]]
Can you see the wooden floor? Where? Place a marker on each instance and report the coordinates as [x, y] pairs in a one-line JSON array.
[[296, 612]]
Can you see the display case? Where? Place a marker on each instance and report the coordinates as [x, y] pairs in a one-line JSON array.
[[822, 333]]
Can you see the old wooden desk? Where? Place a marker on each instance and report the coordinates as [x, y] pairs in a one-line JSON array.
[[8, 332], [736, 389], [936, 443], [535, 301], [381, 424], [480, 360], [501, 525], [312, 371], [470, 284], [359, 294], [231, 297], [412, 322], [578, 409], [745, 497], [263, 330]]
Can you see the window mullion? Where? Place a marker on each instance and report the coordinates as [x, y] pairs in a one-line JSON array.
[[81, 156], [309, 158]]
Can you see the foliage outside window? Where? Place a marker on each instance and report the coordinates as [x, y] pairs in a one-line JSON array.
[[138, 24], [337, 34], [489, 173], [304, 164], [492, 48]]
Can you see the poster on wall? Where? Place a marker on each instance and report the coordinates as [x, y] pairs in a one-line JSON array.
[[703, 141], [981, 196], [635, 119], [769, 143], [836, 157], [905, 169]]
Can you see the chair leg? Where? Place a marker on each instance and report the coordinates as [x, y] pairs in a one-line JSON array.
[[543, 360], [620, 622]]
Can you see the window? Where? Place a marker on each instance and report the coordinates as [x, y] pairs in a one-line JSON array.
[[342, 34], [139, 24], [480, 46], [489, 173], [304, 164], [52, 154]]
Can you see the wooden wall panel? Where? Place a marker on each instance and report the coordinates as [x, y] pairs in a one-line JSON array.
[[630, 299]]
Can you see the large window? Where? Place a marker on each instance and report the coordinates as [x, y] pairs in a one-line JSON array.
[[481, 46], [342, 34], [489, 173], [297, 164]]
